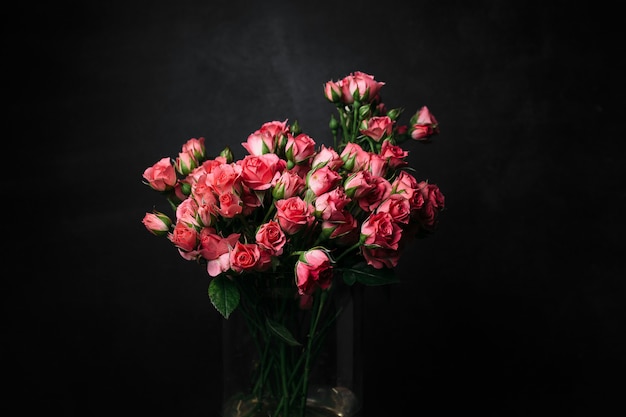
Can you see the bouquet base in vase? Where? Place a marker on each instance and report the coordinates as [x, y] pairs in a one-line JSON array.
[[321, 402], [334, 372]]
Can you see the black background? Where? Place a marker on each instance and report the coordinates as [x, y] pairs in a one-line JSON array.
[[515, 307]]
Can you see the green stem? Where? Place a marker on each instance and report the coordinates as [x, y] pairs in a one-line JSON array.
[[347, 251]]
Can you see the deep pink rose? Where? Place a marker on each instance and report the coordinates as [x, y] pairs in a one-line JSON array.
[[313, 270], [294, 214], [161, 176]]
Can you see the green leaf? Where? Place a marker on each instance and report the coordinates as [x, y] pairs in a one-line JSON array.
[[282, 332], [224, 295], [368, 275]]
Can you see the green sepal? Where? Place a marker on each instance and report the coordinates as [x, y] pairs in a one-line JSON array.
[[282, 332], [224, 295], [368, 275]]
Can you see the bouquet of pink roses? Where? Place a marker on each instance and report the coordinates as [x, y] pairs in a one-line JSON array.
[[294, 217]]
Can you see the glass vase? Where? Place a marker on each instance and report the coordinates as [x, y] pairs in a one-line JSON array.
[[276, 348]]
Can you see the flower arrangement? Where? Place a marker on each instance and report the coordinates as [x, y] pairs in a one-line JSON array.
[[280, 228]]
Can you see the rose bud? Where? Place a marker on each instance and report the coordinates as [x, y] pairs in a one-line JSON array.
[[157, 223]]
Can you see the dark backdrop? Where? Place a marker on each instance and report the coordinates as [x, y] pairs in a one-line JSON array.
[[515, 307]]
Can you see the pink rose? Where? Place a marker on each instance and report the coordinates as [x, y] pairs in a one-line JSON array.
[[378, 127], [261, 172], [294, 214], [266, 139], [157, 223], [288, 185], [397, 206], [361, 86], [244, 257], [354, 157], [424, 125], [329, 205], [161, 176], [379, 230], [322, 180], [313, 270], [327, 157], [195, 147], [299, 148], [380, 257], [216, 250], [184, 237], [185, 163], [332, 92], [229, 205], [394, 155], [271, 237]]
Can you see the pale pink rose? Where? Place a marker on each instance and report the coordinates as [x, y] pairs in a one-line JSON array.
[[216, 250], [377, 127], [184, 237], [271, 237], [313, 270], [354, 157], [229, 205], [266, 139], [395, 155], [161, 176], [322, 180], [397, 206], [362, 86], [299, 148], [294, 214], [289, 184], [195, 147], [381, 231], [261, 172], [244, 257], [186, 212], [380, 257], [157, 223], [424, 125], [327, 157]]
